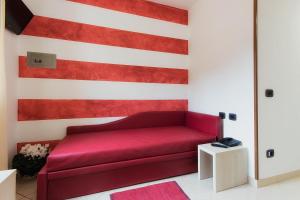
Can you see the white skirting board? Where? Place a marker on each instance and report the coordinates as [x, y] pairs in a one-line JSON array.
[[273, 180]]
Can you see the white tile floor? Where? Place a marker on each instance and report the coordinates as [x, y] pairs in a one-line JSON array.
[[195, 189], [26, 189]]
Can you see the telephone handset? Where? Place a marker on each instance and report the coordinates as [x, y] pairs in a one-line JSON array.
[[227, 142]]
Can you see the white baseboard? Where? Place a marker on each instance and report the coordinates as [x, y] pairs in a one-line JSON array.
[[272, 180], [252, 181]]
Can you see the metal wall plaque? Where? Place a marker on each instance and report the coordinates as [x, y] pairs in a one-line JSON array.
[[44, 60]]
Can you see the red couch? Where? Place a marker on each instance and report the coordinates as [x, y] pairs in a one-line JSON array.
[[140, 148]]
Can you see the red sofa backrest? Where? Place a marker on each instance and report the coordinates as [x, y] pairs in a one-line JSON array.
[[141, 120], [204, 123], [201, 122]]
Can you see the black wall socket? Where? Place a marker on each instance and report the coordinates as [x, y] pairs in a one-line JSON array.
[[269, 93], [270, 153], [222, 115], [232, 116]]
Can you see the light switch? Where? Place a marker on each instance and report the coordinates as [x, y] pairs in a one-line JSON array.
[[43, 60], [269, 93]]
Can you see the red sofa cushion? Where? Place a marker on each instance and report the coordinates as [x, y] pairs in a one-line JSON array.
[[82, 150]]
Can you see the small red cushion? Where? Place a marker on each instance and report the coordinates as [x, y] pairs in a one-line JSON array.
[[82, 150]]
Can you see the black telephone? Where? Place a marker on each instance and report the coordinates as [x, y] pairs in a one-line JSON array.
[[227, 142]]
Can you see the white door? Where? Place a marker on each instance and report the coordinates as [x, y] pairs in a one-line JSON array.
[[279, 69]]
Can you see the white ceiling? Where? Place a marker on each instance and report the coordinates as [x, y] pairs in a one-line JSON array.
[[184, 4]]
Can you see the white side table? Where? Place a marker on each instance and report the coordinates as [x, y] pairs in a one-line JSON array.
[[8, 185], [228, 167]]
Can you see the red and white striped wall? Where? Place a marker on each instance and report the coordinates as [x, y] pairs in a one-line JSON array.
[[115, 58]]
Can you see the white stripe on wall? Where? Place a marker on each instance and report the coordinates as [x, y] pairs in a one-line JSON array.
[[78, 51], [108, 18], [53, 129], [33, 88]]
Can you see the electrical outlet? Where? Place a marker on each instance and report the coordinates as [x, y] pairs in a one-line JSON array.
[[222, 115], [270, 153], [232, 116]]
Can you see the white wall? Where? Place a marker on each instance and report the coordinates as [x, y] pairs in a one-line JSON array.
[[279, 69], [11, 67], [3, 133], [34, 88], [221, 65]]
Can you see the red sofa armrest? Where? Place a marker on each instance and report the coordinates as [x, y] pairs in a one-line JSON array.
[[141, 120], [42, 184], [205, 123]]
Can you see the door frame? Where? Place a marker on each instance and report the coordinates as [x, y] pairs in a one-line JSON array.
[[255, 54]]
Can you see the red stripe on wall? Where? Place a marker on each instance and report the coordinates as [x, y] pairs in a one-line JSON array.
[[66, 30], [142, 8], [76, 70], [37, 109]]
